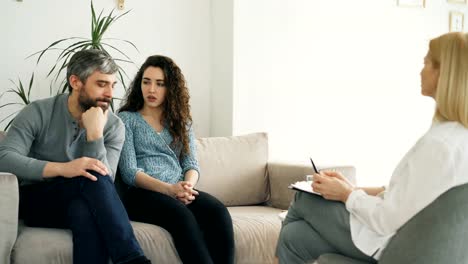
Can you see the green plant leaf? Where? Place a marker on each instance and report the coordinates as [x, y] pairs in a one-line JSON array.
[[21, 93], [72, 47], [93, 16], [96, 31], [49, 48], [7, 104], [127, 61], [122, 80], [114, 48], [87, 46], [64, 65], [64, 87], [109, 19], [38, 52], [11, 121], [123, 40], [9, 124], [29, 88], [121, 70], [50, 88], [94, 20], [122, 15], [65, 55]]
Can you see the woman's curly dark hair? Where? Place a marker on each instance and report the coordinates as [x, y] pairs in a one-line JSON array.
[[176, 115]]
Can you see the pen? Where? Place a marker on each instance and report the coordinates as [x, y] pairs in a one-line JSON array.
[[313, 165]]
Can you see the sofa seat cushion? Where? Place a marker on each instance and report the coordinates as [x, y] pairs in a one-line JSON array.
[[42, 246], [256, 230], [51, 245]]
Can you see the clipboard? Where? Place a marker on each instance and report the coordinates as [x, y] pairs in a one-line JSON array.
[[303, 186]]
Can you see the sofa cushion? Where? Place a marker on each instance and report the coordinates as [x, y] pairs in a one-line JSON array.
[[233, 169], [9, 199], [228, 163], [42, 246], [2, 135], [51, 245], [256, 230]]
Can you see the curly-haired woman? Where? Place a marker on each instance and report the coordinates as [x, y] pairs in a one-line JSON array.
[[158, 163]]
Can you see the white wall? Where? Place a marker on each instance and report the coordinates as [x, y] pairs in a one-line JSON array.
[[179, 29], [222, 65], [334, 80]]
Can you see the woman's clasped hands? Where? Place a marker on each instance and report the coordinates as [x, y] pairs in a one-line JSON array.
[[184, 192]]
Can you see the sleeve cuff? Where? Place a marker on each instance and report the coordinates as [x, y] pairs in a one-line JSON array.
[[352, 198], [94, 149], [38, 168], [191, 168], [133, 177]]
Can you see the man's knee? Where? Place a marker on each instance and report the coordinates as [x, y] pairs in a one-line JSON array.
[[103, 187], [79, 214], [98, 175], [102, 179]]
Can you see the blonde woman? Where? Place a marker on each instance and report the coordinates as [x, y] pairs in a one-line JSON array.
[[358, 223]]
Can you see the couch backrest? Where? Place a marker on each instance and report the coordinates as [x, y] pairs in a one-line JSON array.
[[234, 169]]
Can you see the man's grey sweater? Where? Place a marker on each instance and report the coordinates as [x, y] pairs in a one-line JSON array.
[[45, 131]]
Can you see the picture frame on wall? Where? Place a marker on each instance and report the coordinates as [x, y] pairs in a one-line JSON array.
[[411, 3], [456, 21]]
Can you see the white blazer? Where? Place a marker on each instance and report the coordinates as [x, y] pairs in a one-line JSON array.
[[436, 163]]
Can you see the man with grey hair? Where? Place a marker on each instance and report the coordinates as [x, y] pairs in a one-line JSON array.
[[64, 151]]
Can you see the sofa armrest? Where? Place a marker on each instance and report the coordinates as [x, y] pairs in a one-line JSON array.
[[9, 206], [283, 174]]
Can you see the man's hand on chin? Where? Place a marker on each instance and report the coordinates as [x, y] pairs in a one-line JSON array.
[[94, 120]]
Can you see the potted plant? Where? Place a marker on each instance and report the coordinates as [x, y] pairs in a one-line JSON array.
[[22, 93], [66, 47]]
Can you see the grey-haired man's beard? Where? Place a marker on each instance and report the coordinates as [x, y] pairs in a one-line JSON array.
[[86, 102]]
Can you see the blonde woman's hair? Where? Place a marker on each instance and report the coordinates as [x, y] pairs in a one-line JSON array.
[[449, 54]]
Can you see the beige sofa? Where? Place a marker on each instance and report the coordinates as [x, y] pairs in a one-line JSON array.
[[234, 169]]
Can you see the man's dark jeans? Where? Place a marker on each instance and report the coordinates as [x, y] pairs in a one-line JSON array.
[[92, 210]]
